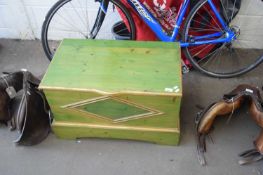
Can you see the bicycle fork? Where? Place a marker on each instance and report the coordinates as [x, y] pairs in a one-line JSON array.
[[100, 17]]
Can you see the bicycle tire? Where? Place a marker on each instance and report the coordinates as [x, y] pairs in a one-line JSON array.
[[196, 62], [61, 3]]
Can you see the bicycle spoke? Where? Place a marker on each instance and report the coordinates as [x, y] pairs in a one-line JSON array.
[[204, 24], [87, 17], [68, 27], [227, 5], [207, 20], [237, 56], [119, 31], [66, 23], [213, 57], [233, 10], [219, 60], [224, 9], [213, 18], [68, 31], [72, 25], [201, 50], [70, 20], [207, 56], [195, 48], [77, 13], [205, 30]]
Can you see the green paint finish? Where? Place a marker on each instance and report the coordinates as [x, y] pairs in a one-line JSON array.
[[112, 109], [164, 138], [169, 105], [115, 66], [138, 73]]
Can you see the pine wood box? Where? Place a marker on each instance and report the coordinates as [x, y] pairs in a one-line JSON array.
[[115, 89]]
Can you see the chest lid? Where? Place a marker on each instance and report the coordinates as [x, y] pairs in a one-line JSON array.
[[115, 66]]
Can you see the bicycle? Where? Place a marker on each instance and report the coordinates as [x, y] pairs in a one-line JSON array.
[[208, 39]]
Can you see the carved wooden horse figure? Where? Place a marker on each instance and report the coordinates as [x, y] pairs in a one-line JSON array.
[[29, 112], [228, 105]]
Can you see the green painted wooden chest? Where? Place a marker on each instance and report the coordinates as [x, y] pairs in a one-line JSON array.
[[115, 89]]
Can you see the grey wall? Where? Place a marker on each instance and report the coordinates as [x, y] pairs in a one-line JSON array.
[[250, 20], [22, 18]]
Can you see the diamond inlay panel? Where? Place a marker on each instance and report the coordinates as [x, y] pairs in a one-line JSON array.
[[113, 109]]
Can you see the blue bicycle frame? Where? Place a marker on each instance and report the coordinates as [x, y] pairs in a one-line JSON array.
[[148, 18]]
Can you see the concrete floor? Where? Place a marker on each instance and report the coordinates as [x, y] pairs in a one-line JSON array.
[[99, 157]]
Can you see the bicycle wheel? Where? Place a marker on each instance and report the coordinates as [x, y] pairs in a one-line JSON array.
[[84, 19], [222, 60]]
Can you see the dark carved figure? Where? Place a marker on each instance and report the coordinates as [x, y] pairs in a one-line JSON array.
[[24, 107]]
